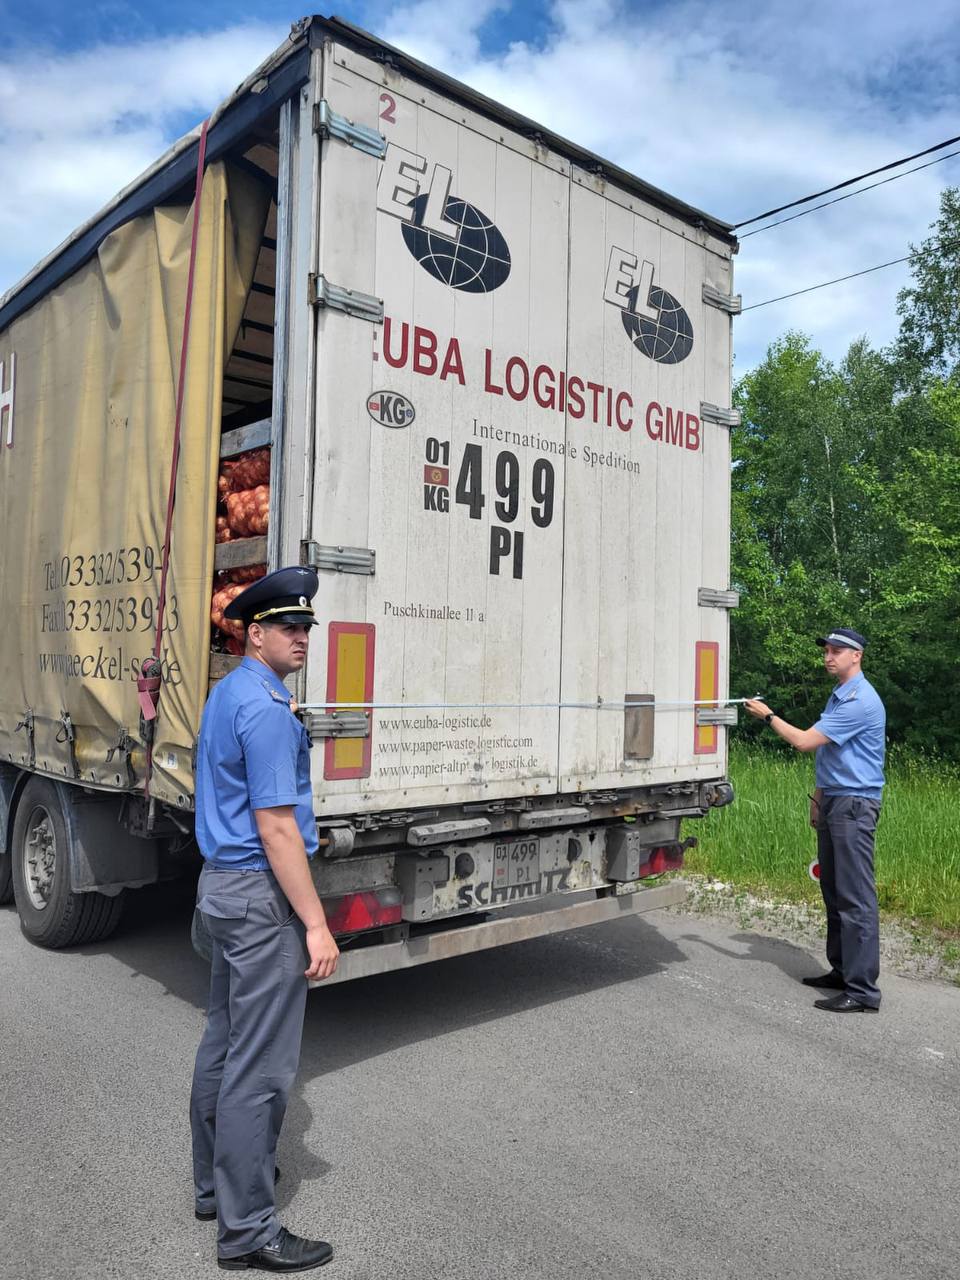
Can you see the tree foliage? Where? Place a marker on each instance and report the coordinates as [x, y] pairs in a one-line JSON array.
[[929, 309], [846, 511]]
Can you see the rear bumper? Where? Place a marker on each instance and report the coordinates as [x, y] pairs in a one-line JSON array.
[[443, 945]]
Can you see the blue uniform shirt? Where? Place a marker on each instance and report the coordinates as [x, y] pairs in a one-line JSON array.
[[851, 763], [253, 753]]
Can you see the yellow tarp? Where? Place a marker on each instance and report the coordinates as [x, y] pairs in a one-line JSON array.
[[84, 482]]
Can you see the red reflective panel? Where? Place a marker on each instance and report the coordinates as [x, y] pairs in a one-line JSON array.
[[355, 912], [667, 857]]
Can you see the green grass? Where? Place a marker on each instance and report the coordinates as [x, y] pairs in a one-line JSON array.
[[763, 841]]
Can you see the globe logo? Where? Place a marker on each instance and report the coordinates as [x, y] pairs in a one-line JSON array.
[[669, 338], [478, 261]]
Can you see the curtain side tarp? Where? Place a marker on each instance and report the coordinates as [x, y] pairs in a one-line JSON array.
[[84, 482]]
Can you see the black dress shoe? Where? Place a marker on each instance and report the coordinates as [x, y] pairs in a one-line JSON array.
[[845, 1004], [208, 1215], [286, 1252], [832, 980]]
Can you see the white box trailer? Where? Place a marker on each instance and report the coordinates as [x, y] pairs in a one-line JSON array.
[[493, 375]]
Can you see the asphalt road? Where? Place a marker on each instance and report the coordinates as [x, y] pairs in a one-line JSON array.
[[652, 1098]]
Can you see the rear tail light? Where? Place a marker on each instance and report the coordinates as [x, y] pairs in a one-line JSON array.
[[370, 909], [666, 857]]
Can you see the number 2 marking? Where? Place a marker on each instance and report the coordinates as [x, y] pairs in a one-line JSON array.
[[388, 111]]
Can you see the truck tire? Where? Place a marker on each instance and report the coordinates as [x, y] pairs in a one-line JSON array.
[[51, 914], [6, 878]]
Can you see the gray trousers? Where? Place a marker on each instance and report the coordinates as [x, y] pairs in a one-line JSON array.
[[249, 1052], [845, 851]]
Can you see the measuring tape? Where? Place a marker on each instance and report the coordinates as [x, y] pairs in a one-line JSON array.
[[599, 705]]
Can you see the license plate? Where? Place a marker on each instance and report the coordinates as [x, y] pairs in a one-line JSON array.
[[516, 863]]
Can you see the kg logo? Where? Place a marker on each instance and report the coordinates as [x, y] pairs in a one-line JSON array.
[[390, 409], [653, 320], [455, 242]]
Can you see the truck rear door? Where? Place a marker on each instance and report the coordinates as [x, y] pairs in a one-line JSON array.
[[441, 447], [646, 515]]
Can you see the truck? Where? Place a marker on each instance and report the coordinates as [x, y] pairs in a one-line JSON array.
[[366, 319]]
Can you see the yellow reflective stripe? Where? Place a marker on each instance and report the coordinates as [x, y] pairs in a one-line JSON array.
[[351, 683], [707, 685]]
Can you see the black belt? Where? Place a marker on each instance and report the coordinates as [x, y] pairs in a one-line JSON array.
[[233, 866]]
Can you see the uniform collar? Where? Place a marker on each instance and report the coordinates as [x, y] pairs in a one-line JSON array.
[[267, 675], [843, 692]]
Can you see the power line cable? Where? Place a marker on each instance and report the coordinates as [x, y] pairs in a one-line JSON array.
[[839, 280], [849, 196], [919, 253], [894, 164]]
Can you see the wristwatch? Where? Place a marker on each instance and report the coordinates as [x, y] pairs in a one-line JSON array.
[[767, 718]]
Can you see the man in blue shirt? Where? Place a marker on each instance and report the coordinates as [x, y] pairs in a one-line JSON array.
[[849, 739], [256, 831]]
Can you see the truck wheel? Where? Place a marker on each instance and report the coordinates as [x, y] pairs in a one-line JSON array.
[[6, 878], [51, 915]]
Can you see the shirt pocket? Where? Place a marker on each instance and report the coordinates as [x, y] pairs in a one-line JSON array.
[[223, 906]]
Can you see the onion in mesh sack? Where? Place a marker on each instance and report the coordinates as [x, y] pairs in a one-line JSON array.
[[247, 573], [250, 469], [224, 481], [248, 511], [221, 598]]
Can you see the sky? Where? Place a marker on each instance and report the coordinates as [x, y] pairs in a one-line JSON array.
[[734, 107]]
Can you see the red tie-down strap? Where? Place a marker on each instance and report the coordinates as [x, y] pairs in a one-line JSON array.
[[148, 688], [149, 681]]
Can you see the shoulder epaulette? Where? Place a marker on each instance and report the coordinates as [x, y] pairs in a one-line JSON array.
[[277, 697]]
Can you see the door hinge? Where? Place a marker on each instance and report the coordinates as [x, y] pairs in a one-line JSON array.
[[340, 559], [336, 724], [716, 715], [329, 124], [722, 417], [713, 598], [732, 303], [321, 293]]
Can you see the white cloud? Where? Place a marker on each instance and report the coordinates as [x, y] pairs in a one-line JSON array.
[[739, 107], [78, 127], [733, 107], [426, 26]]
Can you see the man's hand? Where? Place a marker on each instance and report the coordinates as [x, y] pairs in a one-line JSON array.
[[283, 845], [324, 952], [756, 708]]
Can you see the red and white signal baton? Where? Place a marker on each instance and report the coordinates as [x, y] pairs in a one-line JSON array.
[[813, 871]]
